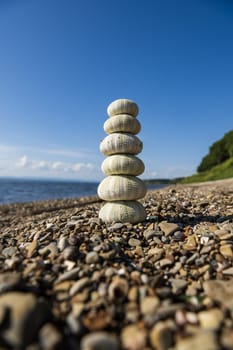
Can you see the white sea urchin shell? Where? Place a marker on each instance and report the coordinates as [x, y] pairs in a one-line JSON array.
[[122, 164], [120, 188], [122, 123], [120, 143], [125, 211], [122, 106]]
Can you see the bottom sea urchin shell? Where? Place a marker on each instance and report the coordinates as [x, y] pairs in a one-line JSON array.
[[122, 211]]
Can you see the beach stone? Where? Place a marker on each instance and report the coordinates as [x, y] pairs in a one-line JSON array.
[[165, 262], [132, 312], [62, 243], [9, 280], [133, 337], [149, 305], [133, 293], [133, 242], [190, 244], [99, 341], [117, 226], [32, 248], [26, 315], [149, 233], [9, 252], [70, 253], [191, 317], [178, 236], [118, 289], [221, 291], [92, 258], [204, 340], [226, 251], [227, 339], [178, 285], [69, 275], [156, 252], [180, 318], [168, 228], [63, 286], [211, 319], [50, 337], [228, 272], [79, 285], [74, 324], [161, 335], [97, 321]]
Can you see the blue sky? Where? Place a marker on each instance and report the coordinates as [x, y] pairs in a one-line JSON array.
[[63, 61]]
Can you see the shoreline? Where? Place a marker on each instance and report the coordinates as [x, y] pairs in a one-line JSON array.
[[69, 202], [69, 281]]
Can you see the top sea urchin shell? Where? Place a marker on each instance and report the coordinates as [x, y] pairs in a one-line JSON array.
[[122, 106]]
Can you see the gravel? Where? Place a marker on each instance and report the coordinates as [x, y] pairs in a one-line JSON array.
[[68, 281]]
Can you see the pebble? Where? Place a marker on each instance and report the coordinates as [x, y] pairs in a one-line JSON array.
[[99, 341], [204, 340], [32, 248], [228, 272], [9, 281], [70, 253], [148, 234], [79, 285], [92, 258], [220, 291], [162, 335], [118, 289], [69, 275], [226, 251], [211, 319], [227, 339], [62, 243], [133, 242], [50, 337], [149, 305], [168, 228], [133, 337], [190, 243], [178, 285], [9, 252], [22, 325]]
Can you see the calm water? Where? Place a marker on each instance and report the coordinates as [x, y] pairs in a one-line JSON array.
[[21, 190], [24, 190]]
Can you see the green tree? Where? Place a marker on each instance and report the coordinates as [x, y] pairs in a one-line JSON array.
[[220, 151]]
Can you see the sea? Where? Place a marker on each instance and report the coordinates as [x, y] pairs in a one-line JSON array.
[[18, 190]]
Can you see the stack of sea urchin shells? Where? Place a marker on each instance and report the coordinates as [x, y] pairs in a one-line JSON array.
[[121, 188]]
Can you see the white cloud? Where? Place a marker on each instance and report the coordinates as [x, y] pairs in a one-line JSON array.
[[23, 162], [43, 165], [57, 165], [49, 162], [80, 166], [54, 168]]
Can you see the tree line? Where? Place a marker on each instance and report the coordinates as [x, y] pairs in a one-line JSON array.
[[219, 152]]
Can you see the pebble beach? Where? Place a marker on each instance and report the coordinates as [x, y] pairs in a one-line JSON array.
[[69, 281]]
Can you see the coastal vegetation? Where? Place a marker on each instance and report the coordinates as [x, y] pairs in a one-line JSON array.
[[216, 165]]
